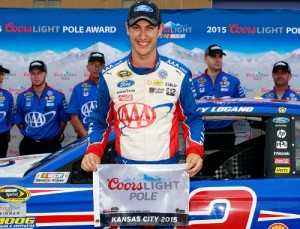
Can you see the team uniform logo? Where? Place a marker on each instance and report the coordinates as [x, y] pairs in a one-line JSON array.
[[124, 74], [136, 115], [87, 109], [2, 115], [125, 83], [37, 119]]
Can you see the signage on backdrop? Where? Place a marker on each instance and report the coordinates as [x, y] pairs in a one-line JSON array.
[[141, 194], [253, 40]]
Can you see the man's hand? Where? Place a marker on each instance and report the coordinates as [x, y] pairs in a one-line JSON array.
[[90, 161], [195, 163]]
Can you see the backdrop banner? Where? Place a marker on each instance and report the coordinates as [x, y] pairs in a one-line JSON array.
[[253, 41], [133, 195]]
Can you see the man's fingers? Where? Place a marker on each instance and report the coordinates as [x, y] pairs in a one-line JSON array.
[[194, 164], [89, 162]]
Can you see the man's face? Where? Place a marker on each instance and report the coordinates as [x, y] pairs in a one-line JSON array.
[[1, 77], [143, 37], [214, 62], [38, 78], [281, 77], [95, 67]]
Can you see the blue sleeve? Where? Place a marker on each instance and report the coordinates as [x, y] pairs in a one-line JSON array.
[[196, 86], [191, 112], [19, 111], [239, 90], [264, 95], [73, 106], [11, 110], [101, 115], [63, 116]]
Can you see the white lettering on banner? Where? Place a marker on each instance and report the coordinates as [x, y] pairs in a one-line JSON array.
[[143, 196], [89, 29], [126, 219], [145, 190], [45, 29], [232, 109], [101, 29], [73, 29], [293, 30]]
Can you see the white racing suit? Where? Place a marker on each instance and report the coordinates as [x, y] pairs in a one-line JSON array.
[[146, 106]]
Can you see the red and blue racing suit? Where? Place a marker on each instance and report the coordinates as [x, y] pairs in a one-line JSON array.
[[146, 106]]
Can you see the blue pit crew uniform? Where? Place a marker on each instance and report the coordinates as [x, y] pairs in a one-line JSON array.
[[288, 95], [83, 101], [225, 86], [41, 119], [7, 119], [146, 106]]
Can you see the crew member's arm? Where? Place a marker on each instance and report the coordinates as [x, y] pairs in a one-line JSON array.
[[75, 111], [19, 119], [239, 90], [62, 116], [77, 125], [11, 111]]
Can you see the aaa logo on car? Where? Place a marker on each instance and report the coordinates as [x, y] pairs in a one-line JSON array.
[[13, 193]]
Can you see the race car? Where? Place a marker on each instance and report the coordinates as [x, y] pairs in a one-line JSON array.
[[253, 185]]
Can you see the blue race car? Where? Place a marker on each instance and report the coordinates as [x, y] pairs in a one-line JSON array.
[[255, 184]]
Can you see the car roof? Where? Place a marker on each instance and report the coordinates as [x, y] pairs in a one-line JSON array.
[[247, 106]]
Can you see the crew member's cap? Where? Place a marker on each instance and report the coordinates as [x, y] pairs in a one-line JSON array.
[[144, 10], [212, 50], [96, 56], [5, 70], [38, 64], [283, 65]]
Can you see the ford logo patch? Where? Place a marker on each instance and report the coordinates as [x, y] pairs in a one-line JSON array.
[[281, 120], [126, 83]]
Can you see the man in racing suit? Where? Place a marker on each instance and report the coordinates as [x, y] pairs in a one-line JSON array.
[[82, 100], [214, 84], [281, 74], [146, 95], [6, 114], [41, 115]]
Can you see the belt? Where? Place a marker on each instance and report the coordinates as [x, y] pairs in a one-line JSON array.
[[43, 139], [173, 160]]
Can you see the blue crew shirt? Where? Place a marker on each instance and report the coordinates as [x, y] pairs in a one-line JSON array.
[[288, 95], [83, 101], [225, 86], [41, 116], [7, 118]]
